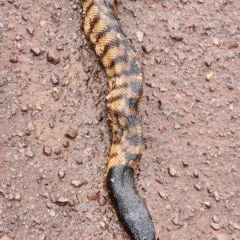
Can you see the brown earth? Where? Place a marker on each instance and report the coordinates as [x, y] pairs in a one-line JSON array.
[[52, 186]]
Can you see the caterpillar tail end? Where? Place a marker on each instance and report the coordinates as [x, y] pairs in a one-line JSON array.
[[131, 209]]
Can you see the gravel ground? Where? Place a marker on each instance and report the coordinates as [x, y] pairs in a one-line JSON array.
[[54, 134]]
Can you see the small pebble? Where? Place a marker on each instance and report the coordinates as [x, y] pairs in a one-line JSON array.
[[9, 205], [175, 220], [215, 226], [216, 42], [177, 36], [66, 144], [233, 45], [29, 154], [93, 196], [60, 47], [230, 86], [51, 124], [102, 224], [140, 35], [215, 219], [30, 30], [24, 17], [13, 59], [47, 150], [211, 89], [86, 119], [77, 183], [196, 174], [36, 51], [24, 108], [172, 172], [45, 195], [57, 151], [65, 214], [236, 226], [185, 163], [197, 186], [71, 133], [74, 7], [168, 207], [79, 161], [157, 59], [207, 204], [54, 79], [17, 197], [201, 132], [55, 96], [10, 196], [181, 56], [61, 173], [162, 195], [38, 107], [147, 48], [102, 200], [208, 76], [52, 213], [208, 62], [163, 89], [62, 201], [2, 193], [42, 237], [87, 151], [52, 58], [177, 126], [56, 6], [216, 195]]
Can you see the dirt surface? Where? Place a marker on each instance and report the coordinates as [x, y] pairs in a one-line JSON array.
[[54, 136]]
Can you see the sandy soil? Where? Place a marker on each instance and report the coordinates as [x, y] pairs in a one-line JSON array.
[[54, 136]]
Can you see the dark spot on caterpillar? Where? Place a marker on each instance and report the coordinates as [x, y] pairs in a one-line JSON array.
[[89, 7], [122, 86], [113, 155], [119, 113], [115, 98], [118, 59], [131, 102], [110, 15], [111, 44], [116, 141], [135, 139], [94, 21], [131, 122], [132, 156], [135, 66], [136, 86], [107, 30], [134, 69], [110, 4]]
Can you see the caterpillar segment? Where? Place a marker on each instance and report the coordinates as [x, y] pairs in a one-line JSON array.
[[125, 79]]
